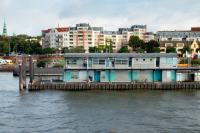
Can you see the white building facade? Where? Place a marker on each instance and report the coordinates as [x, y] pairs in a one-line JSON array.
[[55, 38], [177, 35], [86, 36]]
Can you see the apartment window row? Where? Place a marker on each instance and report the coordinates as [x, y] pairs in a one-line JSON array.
[[99, 61], [121, 62]]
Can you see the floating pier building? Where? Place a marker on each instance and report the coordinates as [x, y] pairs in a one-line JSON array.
[[120, 67]]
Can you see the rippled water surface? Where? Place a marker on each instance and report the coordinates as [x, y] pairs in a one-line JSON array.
[[96, 112]]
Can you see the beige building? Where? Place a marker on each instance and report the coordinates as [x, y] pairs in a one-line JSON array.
[[115, 38], [179, 45], [84, 35], [194, 47]]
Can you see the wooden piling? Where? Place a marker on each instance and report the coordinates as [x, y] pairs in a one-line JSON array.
[[24, 71], [21, 87], [31, 67]]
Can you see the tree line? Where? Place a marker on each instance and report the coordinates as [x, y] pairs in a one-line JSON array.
[[22, 44]]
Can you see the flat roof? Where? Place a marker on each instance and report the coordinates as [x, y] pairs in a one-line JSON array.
[[120, 55]]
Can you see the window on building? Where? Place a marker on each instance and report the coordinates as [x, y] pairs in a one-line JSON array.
[[158, 62], [101, 62], [143, 59], [130, 62], [74, 74], [121, 61], [124, 62], [72, 62]]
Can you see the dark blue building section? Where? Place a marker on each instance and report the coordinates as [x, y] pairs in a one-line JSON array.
[[97, 75]]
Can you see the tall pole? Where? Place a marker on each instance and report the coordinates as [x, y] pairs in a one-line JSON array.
[[31, 69], [20, 78], [24, 71]]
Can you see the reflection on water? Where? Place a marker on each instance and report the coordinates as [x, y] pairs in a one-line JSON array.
[[97, 111]]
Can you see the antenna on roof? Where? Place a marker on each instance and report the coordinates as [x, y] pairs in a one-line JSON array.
[[58, 25]]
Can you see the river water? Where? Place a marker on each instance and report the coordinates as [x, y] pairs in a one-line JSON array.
[[96, 111]]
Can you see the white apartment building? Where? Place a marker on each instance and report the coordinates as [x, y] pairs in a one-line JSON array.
[[126, 34], [86, 36], [55, 38], [81, 35], [149, 36], [135, 30], [139, 30]]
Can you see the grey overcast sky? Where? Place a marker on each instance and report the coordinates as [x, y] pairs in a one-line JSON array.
[[31, 16]]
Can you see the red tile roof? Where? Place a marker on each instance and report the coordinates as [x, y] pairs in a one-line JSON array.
[[195, 29], [46, 31], [62, 29]]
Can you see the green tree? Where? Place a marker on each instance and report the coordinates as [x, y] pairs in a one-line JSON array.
[[135, 42], [65, 50], [124, 49], [140, 50], [195, 62], [156, 50], [186, 48], [48, 51], [4, 47], [152, 46], [109, 46], [42, 63], [170, 49], [94, 50], [78, 49], [20, 44]]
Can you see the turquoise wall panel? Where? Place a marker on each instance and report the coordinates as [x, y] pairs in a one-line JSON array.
[[112, 75], [97, 76], [135, 75], [107, 75], [68, 75], [158, 75], [130, 75], [150, 79], [173, 75]]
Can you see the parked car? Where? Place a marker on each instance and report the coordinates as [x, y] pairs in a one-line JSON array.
[[2, 62], [9, 62]]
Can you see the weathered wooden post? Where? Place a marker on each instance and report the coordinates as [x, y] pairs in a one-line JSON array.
[[24, 71], [20, 78], [31, 69]]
